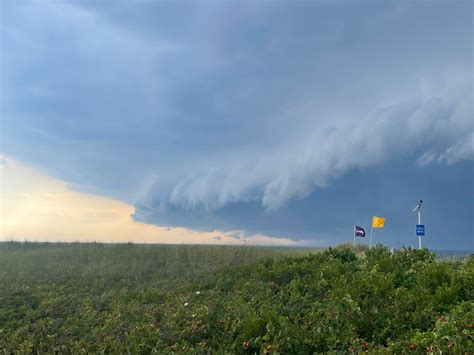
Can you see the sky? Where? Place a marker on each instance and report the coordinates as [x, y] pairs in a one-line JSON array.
[[37, 208], [269, 122]]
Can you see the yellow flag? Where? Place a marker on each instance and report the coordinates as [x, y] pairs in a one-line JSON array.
[[378, 222]]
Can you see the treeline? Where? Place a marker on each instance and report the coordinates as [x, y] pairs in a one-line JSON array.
[[131, 299]]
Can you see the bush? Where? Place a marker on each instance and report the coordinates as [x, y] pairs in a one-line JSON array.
[[142, 299]]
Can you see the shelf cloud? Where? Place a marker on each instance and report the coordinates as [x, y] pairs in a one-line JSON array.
[[255, 117]]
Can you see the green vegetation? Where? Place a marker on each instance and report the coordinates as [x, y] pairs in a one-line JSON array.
[[77, 298]]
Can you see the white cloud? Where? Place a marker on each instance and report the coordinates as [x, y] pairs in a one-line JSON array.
[[442, 120], [461, 150], [3, 163]]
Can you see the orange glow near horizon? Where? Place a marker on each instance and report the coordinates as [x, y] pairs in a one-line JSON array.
[[36, 207]]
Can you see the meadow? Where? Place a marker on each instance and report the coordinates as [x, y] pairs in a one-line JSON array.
[[99, 298]]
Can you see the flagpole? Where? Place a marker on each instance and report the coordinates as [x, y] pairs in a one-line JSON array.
[[354, 236], [419, 222], [371, 229]]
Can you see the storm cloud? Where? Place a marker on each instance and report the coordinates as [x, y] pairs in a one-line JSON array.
[[262, 117]]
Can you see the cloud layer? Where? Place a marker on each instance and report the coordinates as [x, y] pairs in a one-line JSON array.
[[36, 207], [441, 123], [197, 113]]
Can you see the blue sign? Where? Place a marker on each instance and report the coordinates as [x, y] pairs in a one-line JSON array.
[[420, 229]]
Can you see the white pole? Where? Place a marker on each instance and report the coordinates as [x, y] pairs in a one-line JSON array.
[[370, 244], [354, 237], [419, 222]]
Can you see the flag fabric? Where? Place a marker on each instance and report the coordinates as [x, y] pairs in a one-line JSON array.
[[378, 222], [359, 231]]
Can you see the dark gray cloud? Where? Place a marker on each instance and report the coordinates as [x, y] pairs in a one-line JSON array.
[[225, 115]]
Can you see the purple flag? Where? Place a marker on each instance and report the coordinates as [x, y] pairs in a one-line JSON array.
[[359, 231]]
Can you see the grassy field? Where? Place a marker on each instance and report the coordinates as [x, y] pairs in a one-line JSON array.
[[73, 298]]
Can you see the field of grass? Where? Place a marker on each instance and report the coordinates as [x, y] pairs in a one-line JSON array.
[[78, 298]]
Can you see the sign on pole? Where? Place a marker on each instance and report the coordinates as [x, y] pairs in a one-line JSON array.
[[420, 230]]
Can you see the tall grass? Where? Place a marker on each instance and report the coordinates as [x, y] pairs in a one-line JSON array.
[[126, 298], [40, 262]]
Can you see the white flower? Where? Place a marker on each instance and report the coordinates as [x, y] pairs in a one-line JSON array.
[[193, 315], [198, 292], [186, 304]]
